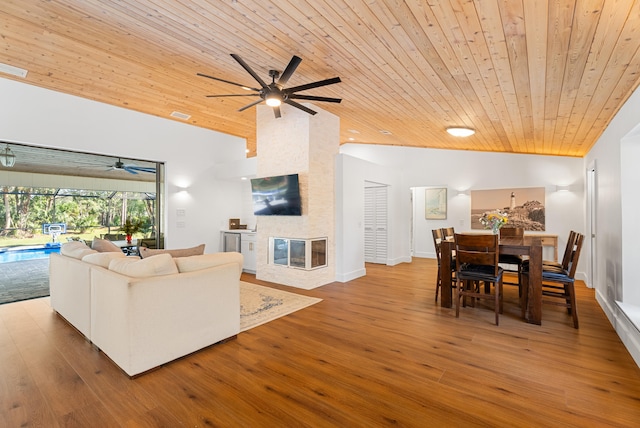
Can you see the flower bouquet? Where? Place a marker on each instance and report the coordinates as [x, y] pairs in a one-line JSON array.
[[494, 220], [130, 227]]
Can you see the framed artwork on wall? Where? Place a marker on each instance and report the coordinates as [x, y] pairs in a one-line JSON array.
[[524, 207], [435, 201]]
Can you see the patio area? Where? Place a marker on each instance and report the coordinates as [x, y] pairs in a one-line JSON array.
[[23, 280]]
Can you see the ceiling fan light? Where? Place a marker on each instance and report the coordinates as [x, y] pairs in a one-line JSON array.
[[7, 158], [458, 131], [273, 101]]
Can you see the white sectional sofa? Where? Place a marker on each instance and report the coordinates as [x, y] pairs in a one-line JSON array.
[[70, 290], [143, 313]]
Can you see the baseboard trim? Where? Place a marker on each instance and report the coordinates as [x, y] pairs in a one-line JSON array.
[[346, 277], [624, 327], [397, 261]]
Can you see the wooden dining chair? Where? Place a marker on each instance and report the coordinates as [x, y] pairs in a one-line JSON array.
[[513, 261], [438, 237], [517, 232], [568, 252], [558, 281], [566, 258], [448, 233], [477, 261]]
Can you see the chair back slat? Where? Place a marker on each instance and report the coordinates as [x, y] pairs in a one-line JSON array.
[[477, 250], [575, 255], [437, 239], [448, 233], [568, 250]]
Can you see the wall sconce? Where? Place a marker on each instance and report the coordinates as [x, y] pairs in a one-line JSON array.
[[7, 158], [463, 192], [562, 188]]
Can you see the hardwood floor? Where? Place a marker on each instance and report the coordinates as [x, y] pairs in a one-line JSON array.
[[376, 351]]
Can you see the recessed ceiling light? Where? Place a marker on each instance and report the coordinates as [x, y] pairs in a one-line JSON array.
[[351, 138], [458, 131], [385, 132]]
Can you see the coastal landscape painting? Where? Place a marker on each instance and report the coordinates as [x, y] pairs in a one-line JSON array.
[[523, 206], [436, 203]]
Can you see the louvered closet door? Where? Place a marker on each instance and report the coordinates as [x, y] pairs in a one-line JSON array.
[[375, 225]]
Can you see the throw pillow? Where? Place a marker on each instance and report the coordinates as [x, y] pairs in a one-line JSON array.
[[104, 246], [189, 264], [103, 259], [162, 264], [182, 252], [75, 249]]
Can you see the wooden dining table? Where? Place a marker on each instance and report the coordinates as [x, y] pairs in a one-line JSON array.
[[531, 299]]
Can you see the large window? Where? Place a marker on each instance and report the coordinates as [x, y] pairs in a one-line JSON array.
[[100, 193]]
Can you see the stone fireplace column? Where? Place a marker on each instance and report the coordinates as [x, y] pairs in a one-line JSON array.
[[307, 145]]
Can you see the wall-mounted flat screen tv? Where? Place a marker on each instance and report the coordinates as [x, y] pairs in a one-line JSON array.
[[278, 195]]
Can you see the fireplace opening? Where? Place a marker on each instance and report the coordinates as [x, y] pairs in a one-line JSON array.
[[297, 253]]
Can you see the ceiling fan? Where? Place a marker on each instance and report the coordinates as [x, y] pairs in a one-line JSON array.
[[275, 93], [131, 168]]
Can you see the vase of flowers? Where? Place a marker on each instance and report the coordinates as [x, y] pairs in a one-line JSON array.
[[130, 227], [494, 220]]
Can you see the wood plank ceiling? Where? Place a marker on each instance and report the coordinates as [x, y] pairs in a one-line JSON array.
[[529, 76]]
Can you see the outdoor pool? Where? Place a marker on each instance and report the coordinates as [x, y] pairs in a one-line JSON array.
[[27, 253]]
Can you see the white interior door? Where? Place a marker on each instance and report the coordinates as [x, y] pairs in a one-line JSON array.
[[375, 224]]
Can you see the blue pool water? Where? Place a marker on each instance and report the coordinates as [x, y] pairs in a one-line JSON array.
[[27, 253]]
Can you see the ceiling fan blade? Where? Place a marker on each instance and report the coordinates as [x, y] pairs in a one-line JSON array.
[[229, 82], [300, 106], [291, 67], [249, 70], [233, 95], [312, 85], [276, 112], [137, 169], [314, 98], [130, 170], [250, 105]]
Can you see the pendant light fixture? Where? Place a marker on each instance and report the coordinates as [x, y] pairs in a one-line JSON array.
[[7, 158]]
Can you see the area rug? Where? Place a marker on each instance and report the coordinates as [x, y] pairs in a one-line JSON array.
[[259, 305]]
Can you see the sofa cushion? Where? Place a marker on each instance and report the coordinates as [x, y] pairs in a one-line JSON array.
[[103, 259], [182, 252], [193, 263], [161, 264], [75, 249], [104, 246]]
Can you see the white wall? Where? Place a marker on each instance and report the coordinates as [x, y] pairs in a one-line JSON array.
[[617, 278], [32, 115], [405, 168], [351, 174], [630, 207]]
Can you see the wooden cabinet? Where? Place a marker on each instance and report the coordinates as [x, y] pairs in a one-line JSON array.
[[547, 241]]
